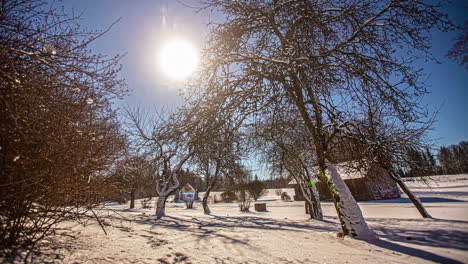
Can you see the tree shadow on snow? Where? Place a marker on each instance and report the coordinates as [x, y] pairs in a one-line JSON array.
[[434, 237], [206, 228], [438, 187], [48, 251], [412, 232], [423, 200], [414, 252], [391, 230], [247, 222]]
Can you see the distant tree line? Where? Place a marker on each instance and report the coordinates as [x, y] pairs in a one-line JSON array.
[[454, 159], [449, 160], [198, 182]]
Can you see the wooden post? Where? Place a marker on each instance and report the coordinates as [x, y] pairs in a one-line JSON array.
[[259, 207]]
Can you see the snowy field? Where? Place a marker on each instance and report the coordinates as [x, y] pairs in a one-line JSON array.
[[283, 234]]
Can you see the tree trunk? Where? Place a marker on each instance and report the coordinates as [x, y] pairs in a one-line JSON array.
[[132, 199], [189, 203], [352, 221], [315, 199], [168, 184], [161, 207], [348, 211], [206, 208], [177, 196], [417, 203], [314, 209], [312, 205], [309, 209]]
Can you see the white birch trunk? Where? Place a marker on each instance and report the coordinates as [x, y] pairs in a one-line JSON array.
[[351, 213]]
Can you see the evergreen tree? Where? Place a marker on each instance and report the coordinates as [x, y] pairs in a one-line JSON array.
[[416, 163], [454, 159], [464, 156], [432, 164], [446, 158]]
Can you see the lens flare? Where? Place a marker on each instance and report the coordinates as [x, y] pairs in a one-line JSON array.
[[178, 59]]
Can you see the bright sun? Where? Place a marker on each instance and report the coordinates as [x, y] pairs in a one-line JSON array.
[[178, 59]]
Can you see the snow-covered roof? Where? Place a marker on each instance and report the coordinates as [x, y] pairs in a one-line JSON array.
[[188, 188], [292, 182], [343, 169], [347, 173]]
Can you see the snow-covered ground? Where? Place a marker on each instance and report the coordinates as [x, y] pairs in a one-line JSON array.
[[283, 234]]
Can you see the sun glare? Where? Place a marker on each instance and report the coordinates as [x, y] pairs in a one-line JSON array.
[[178, 59]]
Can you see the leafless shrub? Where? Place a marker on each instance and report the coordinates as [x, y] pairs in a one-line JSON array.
[[145, 203], [228, 196], [55, 162], [244, 201], [189, 203], [255, 189], [278, 192], [216, 199], [285, 197]]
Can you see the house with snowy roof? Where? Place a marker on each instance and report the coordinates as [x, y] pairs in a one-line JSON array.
[[187, 192], [365, 185]]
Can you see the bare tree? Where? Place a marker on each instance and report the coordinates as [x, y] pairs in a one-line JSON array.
[[317, 56], [375, 136], [164, 138], [298, 169], [459, 50], [217, 148], [59, 136], [285, 145], [134, 173], [168, 182]]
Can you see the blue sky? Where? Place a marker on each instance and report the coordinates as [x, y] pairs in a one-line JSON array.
[[448, 83], [145, 24]]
